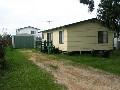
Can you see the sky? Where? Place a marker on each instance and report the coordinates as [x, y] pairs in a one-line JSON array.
[[15, 14]]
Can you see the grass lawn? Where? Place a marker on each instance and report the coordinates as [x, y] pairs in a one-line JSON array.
[[24, 75], [111, 64]]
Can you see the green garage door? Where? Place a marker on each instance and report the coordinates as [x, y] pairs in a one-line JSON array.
[[24, 41]]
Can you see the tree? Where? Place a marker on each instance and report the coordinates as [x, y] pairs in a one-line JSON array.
[[109, 14]]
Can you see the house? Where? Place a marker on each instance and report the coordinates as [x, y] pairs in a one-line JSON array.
[[81, 36], [28, 30]]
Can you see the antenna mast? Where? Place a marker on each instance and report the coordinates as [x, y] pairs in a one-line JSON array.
[[49, 23]]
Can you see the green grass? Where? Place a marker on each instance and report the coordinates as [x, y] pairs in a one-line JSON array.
[[24, 75], [111, 64]]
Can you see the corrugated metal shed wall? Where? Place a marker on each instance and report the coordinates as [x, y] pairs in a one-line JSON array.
[[23, 41]]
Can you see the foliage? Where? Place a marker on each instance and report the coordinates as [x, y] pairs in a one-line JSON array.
[[2, 55], [109, 14], [6, 36], [24, 75], [90, 4]]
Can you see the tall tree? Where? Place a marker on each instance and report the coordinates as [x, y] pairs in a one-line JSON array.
[[109, 14]]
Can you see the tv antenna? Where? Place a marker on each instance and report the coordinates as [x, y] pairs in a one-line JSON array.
[[49, 22]]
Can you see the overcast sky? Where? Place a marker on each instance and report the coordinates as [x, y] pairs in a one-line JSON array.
[[15, 14]]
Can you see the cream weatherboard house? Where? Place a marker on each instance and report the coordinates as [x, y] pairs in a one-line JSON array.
[[85, 35]]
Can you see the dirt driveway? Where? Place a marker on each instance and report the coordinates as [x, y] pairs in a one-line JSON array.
[[75, 78]]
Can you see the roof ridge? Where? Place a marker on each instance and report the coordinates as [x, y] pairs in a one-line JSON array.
[[28, 27]]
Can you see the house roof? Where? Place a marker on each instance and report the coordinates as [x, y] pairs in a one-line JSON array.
[[89, 20], [28, 27]]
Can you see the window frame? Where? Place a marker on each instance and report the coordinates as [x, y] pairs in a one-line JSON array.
[[102, 37], [32, 32], [61, 37], [50, 36]]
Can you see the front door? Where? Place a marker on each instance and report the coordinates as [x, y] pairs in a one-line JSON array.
[[49, 39]]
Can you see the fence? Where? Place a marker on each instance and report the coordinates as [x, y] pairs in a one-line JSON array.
[[46, 46]]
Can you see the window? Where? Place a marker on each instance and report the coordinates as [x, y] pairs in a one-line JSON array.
[[61, 37], [102, 37], [32, 32]]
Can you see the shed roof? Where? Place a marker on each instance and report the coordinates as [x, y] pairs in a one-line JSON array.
[[91, 20]]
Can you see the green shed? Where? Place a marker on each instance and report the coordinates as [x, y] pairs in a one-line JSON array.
[[23, 41]]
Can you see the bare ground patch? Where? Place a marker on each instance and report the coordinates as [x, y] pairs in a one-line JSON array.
[[75, 78]]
